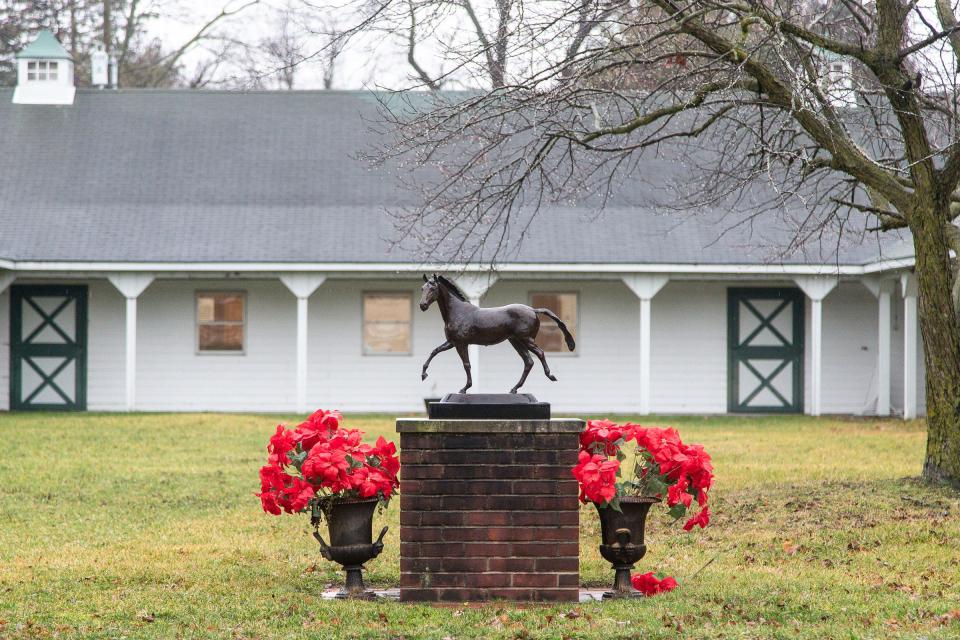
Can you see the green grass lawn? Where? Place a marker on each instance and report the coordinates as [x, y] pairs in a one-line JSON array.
[[146, 526]]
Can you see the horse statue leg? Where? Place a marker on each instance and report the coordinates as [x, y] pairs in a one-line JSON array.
[[465, 358], [445, 346], [527, 362], [537, 351]]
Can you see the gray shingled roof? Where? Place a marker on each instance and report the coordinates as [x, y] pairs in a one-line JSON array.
[[202, 176]]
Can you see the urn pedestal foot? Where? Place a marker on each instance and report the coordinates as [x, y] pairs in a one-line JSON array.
[[622, 588], [353, 587]]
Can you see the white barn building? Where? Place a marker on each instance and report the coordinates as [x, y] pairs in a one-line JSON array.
[[195, 250]]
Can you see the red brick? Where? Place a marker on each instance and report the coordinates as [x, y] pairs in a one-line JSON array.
[[419, 595], [545, 580], [487, 518], [485, 549], [461, 595], [511, 564], [487, 580], [409, 518], [442, 518], [464, 503], [444, 580], [464, 457], [490, 534], [412, 502], [431, 549], [421, 565], [557, 564], [568, 579], [554, 472], [545, 487], [410, 456], [470, 565], [539, 549], [421, 534], [545, 518], [540, 503]]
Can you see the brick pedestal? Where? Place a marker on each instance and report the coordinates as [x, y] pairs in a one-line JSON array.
[[488, 510]]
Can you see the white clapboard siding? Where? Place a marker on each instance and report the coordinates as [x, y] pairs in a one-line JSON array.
[[341, 376], [689, 348], [106, 347], [849, 357], [601, 376], [172, 375]]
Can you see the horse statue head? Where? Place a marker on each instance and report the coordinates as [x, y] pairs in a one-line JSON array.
[[429, 292]]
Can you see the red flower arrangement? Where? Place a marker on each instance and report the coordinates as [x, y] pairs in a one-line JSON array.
[[649, 585], [663, 465], [319, 462]]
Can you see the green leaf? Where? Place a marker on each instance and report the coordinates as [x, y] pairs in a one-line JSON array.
[[677, 511]]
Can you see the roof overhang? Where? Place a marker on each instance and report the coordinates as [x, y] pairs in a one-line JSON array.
[[518, 268]]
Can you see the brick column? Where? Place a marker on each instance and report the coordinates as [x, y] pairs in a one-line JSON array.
[[488, 510]]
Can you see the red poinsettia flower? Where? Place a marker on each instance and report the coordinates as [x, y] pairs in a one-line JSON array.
[[298, 495], [702, 519], [268, 500], [600, 435], [677, 493], [281, 443], [327, 466], [649, 585], [597, 476], [317, 428]]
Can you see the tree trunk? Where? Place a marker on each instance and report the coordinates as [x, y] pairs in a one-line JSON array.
[[941, 338]]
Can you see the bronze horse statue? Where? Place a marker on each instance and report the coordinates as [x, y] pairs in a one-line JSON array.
[[465, 324]]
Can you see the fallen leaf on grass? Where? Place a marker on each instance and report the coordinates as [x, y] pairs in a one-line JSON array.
[[790, 549], [947, 618], [146, 616], [383, 617]]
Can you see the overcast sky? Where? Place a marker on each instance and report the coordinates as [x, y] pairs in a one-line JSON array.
[[367, 63]]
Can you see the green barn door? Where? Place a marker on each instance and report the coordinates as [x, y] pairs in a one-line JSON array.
[[48, 348], [765, 342]]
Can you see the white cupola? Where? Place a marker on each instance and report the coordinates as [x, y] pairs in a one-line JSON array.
[[44, 73]]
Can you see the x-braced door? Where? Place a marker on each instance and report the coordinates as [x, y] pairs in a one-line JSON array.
[[48, 342], [765, 338]]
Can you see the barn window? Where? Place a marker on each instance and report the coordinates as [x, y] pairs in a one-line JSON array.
[[386, 323], [41, 70], [564, 305], [220, 321]]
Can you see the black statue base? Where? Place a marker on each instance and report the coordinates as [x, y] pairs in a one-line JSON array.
[[488, 406]]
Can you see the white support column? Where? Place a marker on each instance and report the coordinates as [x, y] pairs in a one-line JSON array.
[[475, 285], [883, 353], [130, 286], [908, 284], [302, 285], [816, 288], [645, 286]]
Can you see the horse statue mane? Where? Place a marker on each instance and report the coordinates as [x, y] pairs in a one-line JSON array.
[[452, 288]]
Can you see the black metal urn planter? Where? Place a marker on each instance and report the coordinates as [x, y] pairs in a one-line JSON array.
[[328, 471], [350, 523], [622, 541], [663, 468]]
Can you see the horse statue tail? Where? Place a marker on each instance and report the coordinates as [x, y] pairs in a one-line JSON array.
[[563, 327]]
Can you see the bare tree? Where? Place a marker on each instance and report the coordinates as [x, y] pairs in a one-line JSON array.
[[143, 60], [845, 110]]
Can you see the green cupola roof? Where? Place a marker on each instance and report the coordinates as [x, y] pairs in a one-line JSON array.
[[45, 46]]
